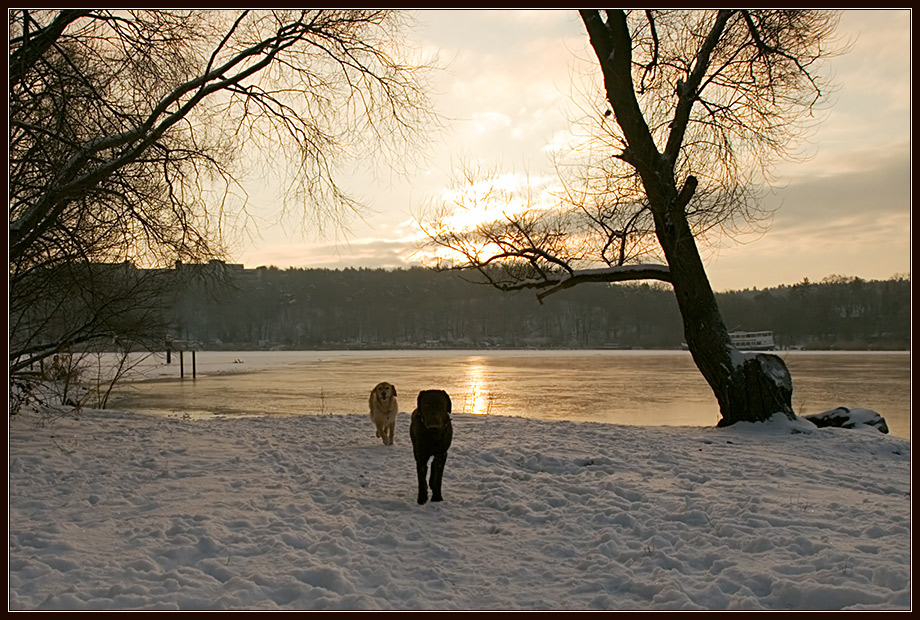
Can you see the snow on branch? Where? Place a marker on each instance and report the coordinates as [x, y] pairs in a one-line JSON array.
[[621, 273]]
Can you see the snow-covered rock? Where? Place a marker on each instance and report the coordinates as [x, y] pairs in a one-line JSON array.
[[843, 417]]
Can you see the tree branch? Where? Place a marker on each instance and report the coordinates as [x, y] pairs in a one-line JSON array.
[[33, 45], [624, 273], [613, 46], [688, 91]]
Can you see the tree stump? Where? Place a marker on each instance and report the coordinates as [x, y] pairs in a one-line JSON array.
[[760, 386]]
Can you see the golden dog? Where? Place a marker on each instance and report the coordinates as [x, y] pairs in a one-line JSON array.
[[384, 408]]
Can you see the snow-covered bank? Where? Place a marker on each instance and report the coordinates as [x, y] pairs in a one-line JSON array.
[[120, 511]]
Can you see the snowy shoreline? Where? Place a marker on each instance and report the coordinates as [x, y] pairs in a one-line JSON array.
[[112, 510]]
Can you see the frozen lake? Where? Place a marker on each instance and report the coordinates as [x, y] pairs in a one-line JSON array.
[[648, 388]]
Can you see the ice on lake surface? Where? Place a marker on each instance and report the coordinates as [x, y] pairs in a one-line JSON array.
[[646, 388]]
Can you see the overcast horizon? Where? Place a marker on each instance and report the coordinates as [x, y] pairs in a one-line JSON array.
[[506, 98]]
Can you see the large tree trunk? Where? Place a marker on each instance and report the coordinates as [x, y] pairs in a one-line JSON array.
[[748, 387]]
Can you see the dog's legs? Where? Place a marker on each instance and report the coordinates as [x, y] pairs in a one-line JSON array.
[[391, 433], [437, 473], [421, 466]]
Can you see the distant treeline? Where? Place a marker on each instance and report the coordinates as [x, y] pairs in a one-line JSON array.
[[418, 308]]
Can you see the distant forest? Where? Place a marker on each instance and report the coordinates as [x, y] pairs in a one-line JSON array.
[[418, 308]]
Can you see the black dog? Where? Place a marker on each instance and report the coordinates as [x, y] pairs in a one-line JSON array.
[[431, 433]]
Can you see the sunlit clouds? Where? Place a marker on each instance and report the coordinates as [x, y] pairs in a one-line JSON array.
[[506, 96], [484, 200]]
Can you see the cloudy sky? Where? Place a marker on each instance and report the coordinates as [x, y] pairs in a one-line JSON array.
[[506, 96]]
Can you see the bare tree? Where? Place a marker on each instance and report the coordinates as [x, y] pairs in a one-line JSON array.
[[131, 133], [697, 106]]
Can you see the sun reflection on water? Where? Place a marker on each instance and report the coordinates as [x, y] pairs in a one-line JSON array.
[[476, 399]]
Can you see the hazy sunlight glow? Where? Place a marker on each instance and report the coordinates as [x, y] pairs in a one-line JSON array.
[[482, 201]]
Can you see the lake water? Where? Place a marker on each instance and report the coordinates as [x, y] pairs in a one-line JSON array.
[[648, 388]]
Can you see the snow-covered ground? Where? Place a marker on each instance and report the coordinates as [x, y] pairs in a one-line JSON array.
[[114, 510]]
